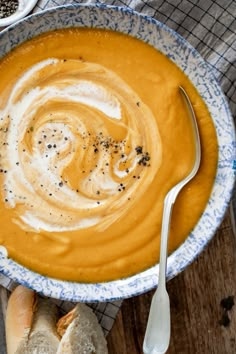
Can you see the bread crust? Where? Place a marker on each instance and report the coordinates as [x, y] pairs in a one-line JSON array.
[[19, 317], [64, 322]]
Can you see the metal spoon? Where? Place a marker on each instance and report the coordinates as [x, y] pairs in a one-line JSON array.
[[157, 336]]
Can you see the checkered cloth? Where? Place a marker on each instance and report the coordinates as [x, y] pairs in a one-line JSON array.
[[210, 27]]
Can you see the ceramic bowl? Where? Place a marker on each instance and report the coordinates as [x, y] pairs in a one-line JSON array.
[[189, 60]]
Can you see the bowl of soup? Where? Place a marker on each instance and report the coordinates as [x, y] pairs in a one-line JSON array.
[[94, 133]]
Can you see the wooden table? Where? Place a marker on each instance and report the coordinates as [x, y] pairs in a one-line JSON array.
[[195, 297]]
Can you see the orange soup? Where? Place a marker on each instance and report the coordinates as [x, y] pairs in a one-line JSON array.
[[94, 133]]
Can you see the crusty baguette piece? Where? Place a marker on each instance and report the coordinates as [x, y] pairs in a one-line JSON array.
[[31, 324], [43, 338], [19, 317], [81, 333]]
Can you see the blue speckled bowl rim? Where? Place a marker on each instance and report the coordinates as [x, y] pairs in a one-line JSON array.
[[144, 281]]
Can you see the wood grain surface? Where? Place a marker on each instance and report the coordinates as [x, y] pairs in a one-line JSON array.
[[196, 310]]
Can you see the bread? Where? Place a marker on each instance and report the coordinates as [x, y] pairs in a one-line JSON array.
[[19, 317], [33, 327], [30, 324], [81, 333]]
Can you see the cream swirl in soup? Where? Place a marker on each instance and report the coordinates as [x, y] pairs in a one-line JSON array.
[[79, 142]]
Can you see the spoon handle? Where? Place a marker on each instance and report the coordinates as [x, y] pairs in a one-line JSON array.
[[157, 336]]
